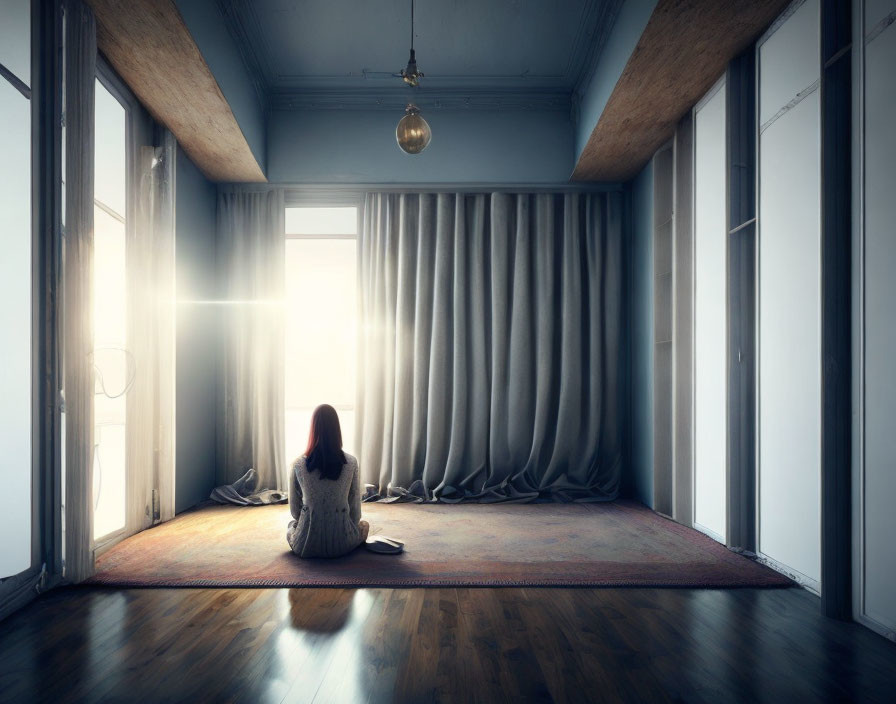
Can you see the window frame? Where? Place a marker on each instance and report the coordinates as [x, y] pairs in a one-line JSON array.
[[329, 198], [110, 80], [46, 249], [25, 90]]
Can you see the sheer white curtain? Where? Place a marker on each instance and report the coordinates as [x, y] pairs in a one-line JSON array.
[[151, 336], [251, 250], [491, 356], [77, 302]]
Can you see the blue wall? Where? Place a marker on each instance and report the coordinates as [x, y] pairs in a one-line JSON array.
[[627, 30], [220, 51], [196, 346], [642, 336], [468, 146]]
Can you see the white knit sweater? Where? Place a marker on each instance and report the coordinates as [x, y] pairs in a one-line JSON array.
[[325, 511]]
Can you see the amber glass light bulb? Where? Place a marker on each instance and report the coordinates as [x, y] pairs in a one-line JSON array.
[[413, 133]]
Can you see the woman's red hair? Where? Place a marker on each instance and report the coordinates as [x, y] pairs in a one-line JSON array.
[[324, 452]]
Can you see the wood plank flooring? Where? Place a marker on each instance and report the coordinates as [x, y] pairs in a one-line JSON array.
[[425, 645]]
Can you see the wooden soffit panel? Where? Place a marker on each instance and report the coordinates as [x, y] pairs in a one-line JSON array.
[[685, 47], [149, 45]]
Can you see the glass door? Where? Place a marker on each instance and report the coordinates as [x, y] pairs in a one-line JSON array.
[[16, 408], [112, 365], [710, 315]]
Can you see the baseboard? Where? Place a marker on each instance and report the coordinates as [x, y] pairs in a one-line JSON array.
[[812, 585], [16, 593], [876, 626], [707, 531]]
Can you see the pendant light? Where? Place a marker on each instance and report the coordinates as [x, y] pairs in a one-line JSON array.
[[410, 74], [413, 133]]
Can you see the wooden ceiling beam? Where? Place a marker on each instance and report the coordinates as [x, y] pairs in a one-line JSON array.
[[149, 45], [685, 47]]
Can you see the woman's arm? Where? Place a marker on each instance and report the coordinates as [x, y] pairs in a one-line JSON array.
[[354, 495], [295, 492]]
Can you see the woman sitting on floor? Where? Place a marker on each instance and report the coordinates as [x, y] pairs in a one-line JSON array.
[[325, 493]]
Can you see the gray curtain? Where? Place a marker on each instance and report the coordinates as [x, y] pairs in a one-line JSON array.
[[490, 355], [251, 248], [77, 304]]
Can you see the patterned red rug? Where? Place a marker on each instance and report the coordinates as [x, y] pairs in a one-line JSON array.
[[611, 544]]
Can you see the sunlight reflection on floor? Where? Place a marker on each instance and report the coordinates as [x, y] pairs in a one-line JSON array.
[[321, 640]]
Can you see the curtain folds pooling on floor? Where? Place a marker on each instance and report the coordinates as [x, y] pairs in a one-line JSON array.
[[490, 355]]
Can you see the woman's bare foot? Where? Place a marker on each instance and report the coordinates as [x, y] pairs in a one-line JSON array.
[[365, 530]]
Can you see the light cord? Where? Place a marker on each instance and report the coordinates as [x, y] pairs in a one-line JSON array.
[[131, 378]]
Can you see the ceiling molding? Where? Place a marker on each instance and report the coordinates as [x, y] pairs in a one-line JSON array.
[[149, 46], [256, 62], [284, 91], [685, 47], [395, 99], [609, 11], [242, 20], [498, 82]]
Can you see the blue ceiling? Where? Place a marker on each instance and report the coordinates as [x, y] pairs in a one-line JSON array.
[[340, 53]]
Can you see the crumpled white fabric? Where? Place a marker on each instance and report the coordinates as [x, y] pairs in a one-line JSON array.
[[242, 492]]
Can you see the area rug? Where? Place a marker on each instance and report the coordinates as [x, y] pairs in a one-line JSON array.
[[615, 544]]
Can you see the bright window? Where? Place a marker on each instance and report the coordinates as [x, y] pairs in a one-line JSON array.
[[321, 318], [15, 289], [111, 364], [710, 322]]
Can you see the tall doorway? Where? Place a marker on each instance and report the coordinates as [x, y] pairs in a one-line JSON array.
[[113, 368]]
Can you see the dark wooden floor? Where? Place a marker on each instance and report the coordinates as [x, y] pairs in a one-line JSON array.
[[375, 645]]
